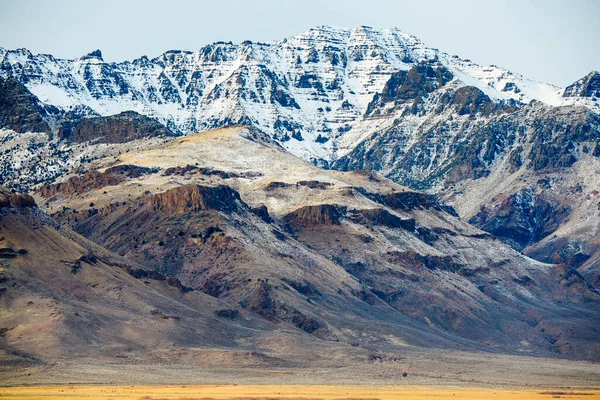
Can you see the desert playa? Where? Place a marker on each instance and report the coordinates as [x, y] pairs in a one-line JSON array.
[[283, 392]]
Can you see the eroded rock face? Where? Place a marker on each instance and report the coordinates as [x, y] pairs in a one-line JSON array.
[[408, 201], [95, 180], [193, 198], [16, 200], [403, 86], [20, 110], [312, 216], [264, 302], [521, 219], [378, 216], [556, 141], [588, 86], [120, 128], [469, 100], [192, 169]]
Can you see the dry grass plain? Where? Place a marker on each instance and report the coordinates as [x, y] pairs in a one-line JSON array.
[[272, 392]]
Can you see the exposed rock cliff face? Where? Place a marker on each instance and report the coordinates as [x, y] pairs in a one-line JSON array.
[[20, 111], [194, 198], [120, 128], [311, 216], [408, 201], [522, 219], [403, 86], [16, 200], [588, 86], [94, 180]]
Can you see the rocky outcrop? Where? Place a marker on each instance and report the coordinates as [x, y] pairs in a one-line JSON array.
[[379, 216], [207, 171], [95, 180], [315, 184], [469, 100], [588, 86], [521, 219], [194, 198], [313, 216], [20, 110], [557, 137], [263, 212], [408, 201], [120, 128], [15, 200], [262, 301], [403, 86], [413, 259]]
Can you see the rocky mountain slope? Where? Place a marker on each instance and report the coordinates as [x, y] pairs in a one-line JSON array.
[[63, 297], [341, 98], [309, 91], [229, 213], [526, 173], [349, 257]]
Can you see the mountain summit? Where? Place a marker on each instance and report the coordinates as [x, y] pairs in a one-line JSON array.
[[309, 92], [588, 86], [96, 54]]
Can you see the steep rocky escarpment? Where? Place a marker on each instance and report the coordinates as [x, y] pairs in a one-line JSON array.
[[332, 214], [408, 85], [408, 201], [469, 100], [95, 180], [379, 216], [588, 86], [20, 110], [559, 139], [311, 216], [194, 198], [207, 171], [9, 199], [462, 139], [522, 219], [119, 128]]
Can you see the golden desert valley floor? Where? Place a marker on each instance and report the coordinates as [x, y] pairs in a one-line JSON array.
[[283, 392]]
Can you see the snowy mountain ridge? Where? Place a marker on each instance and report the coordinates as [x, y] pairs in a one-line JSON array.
[[310, 92]]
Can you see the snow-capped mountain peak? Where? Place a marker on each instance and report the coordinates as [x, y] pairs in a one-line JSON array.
[[306, 91]]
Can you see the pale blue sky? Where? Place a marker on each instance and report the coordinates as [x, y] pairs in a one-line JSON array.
[[551, 41]]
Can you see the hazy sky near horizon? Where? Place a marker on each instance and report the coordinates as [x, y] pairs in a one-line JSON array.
[[551, 41]]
